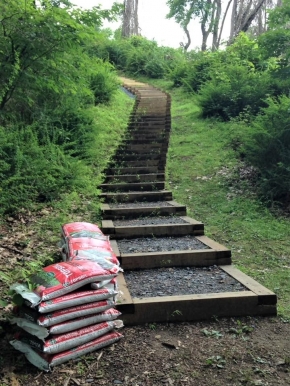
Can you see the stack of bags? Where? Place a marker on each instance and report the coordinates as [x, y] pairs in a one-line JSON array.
[[70, 310]]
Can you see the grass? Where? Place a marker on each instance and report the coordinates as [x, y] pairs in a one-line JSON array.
[[200, 169]]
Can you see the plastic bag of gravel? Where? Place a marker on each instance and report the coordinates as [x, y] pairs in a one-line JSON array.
[[109, 284], [60, 279], [76, 298], [82, 229], [57, 343], [60, 316], [70, 325], [46, 361]]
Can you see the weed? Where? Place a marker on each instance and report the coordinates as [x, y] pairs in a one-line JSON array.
[[241, 328], [176, 312], [212, 333], [216, 361]]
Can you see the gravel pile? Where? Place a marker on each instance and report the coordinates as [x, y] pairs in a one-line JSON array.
[[180, 281], [159, 244], [150, 221], [144, 204]]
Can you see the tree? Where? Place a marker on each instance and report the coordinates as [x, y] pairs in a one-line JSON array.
[[208, 11], [35, 44], [130, 24], [243, 14]]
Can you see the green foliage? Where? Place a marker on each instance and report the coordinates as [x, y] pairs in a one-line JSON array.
[[34, 172], [268, 149], [22, 273], [139, 56], [103, 83], [229, 93], [199, 70], [49, 84]]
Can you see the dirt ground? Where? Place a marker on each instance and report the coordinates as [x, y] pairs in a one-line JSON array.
[[236, 351]]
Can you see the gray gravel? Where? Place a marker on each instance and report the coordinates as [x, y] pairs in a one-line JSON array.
[[159, 244], [180, 281], [150, 221], [142, 204]]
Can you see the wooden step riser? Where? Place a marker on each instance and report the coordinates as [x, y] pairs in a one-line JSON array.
[[138, 144], [148, 125], [136, 196], [124, 157], [138, 163], [137, 154], [148, 137], [135, 178], [136, 149], [128, 170], [125, 187], [172, 230], [119, 213]]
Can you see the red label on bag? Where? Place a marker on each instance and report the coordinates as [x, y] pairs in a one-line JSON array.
[[61, 278]]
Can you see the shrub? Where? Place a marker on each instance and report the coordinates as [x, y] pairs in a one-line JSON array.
[[34, 173], [268, 149], [199, 71], [229, 93], [103, 82]]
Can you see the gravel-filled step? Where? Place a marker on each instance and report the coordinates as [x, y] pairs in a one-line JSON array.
[[144, 204], [180, 281], [160, 244], [150, 221]]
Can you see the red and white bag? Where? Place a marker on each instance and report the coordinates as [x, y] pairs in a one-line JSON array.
[[47, 361], [63, 342], [82, 229], [71, 325], [62, 278], [75, 298], [61, 316], [97, 255], [83, 243], [109, 284]]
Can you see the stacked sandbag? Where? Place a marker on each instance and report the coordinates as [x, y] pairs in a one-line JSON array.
[[70, 311]]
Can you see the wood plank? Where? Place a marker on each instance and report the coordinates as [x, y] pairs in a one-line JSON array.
[[180, 229], [191, 220], [187, 258], [212, 244], [137, 196], [193, 307], [115, 248], [124, 301], [108, 227], [126, 186], [264, 294]]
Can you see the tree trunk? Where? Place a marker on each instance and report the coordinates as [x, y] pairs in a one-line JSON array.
[[216, 15], [223, 23], [130, 24], [185, 46], [243, 13]]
